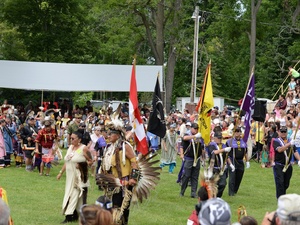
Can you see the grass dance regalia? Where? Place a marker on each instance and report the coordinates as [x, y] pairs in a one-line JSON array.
[[124, 178]]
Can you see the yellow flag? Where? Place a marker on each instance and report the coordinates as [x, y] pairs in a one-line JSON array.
[[206, 104]]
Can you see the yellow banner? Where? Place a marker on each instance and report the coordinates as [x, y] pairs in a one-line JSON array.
[[205, 108]]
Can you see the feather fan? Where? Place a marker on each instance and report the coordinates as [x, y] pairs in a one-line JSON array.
[[107, 181], [149, 176]]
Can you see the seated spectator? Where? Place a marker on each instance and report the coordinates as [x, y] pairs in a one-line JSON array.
[[215, 211], [292, 84], [281, 103], [202, 198], [292, 111], [287, 211], [248, 220], [289, 98], [94, 215], [4, 213]]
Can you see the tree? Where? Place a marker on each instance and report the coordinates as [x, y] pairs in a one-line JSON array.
[[254, 10], [52, 31]]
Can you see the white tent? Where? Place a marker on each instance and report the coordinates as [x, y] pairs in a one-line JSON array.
[[76, 77]]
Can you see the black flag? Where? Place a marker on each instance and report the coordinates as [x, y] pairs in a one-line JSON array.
[[157, 124]]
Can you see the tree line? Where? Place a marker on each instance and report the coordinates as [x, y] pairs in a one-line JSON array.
[[160, 32]]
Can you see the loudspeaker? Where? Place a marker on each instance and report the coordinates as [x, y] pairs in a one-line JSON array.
[[260, 110]]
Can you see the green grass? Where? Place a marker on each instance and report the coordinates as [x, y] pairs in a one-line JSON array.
[[37, 200]]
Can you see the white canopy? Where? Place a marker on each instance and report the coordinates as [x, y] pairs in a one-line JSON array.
[[76, 77]]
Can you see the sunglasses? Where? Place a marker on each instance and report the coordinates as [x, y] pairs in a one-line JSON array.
[[283, 131]]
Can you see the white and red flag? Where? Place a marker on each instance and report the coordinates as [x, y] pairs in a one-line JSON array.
[[135, 116]]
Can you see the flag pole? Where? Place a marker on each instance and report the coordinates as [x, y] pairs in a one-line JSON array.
[[237, 120], [252, 71]]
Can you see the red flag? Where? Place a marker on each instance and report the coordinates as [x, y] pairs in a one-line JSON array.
[[135, 117]]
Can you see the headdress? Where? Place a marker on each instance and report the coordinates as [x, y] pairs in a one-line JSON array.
[[47, 121], [209, 180], [116, 125]]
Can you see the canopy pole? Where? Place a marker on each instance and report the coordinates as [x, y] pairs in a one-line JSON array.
[[42, 98]]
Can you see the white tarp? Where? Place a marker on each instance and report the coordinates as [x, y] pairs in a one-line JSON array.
[[76, 77]]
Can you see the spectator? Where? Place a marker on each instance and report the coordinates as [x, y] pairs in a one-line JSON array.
[[281, 103], [292, 84], [202, 198], [294, 73], [29, 107], [248, 220], [94, 215], [88, 107], [2, 149], [215, 211], [4, 213], [287, 211]]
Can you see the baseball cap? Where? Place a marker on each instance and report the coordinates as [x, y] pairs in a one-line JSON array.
[[215, 211], [31, 118], [195, 125], [188, 124], [289, 207], [218, 135]]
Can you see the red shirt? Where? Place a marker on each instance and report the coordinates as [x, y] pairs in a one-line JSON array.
[[46, 138]]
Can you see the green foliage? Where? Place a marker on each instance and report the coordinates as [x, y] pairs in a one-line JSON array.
[[81, 98], [112, 31], [52, 31]]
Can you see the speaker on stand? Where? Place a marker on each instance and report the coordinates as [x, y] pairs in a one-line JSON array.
[[260, 110]]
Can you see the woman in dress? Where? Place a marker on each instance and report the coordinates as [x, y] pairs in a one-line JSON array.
[[2, 146], [75, 178], [169, 149]]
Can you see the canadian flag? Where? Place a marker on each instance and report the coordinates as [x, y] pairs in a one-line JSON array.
[[135, 117]]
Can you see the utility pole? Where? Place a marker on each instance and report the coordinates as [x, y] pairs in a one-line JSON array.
[[195, 54]]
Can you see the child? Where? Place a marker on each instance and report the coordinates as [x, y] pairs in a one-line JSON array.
[[292, 85]]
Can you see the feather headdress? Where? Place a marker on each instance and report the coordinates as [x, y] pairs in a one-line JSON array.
[[209, 180], [47, 121], [116, 125]]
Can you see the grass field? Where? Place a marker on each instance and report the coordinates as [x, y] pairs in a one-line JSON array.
[[37, 200]]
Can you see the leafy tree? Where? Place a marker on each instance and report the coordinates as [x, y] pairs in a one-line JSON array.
[[52, 30]]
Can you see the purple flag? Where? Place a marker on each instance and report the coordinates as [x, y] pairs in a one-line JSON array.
[[248, 106]]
